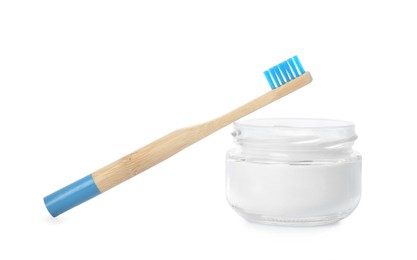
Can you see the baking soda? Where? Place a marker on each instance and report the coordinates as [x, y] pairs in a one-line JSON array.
[[293, 191]]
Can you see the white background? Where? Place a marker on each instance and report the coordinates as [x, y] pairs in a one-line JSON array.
[[83, 83]]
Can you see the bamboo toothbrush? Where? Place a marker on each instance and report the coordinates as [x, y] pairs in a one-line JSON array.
[[283, 78]]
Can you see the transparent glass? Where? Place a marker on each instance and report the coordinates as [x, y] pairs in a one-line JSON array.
[[297, 172]]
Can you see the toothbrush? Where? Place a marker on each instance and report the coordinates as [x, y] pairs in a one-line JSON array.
[[283, 78]]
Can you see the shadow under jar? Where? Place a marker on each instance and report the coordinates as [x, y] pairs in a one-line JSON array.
[[293, 172]]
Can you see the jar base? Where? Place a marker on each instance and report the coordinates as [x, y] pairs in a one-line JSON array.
[[293, 222]]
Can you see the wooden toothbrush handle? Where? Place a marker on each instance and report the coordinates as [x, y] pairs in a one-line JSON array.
[[165, 147]]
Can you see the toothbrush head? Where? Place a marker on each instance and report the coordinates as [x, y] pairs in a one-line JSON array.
[[284, 72]]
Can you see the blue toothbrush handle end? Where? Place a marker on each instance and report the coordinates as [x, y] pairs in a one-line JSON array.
[[71, 196]]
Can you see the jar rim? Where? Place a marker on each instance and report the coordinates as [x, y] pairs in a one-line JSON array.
[[314, 123], [295, 133]]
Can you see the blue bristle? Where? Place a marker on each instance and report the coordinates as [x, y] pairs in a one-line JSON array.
[[284, 72], [298, 63], [293, 67], [279, 74], [274, 76], [283, 67], [268, 77], [290, 72]]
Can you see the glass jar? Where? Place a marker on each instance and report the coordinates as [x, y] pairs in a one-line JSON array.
[[296, 172]]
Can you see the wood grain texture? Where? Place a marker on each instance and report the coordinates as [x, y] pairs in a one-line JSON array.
[[163, 148]]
